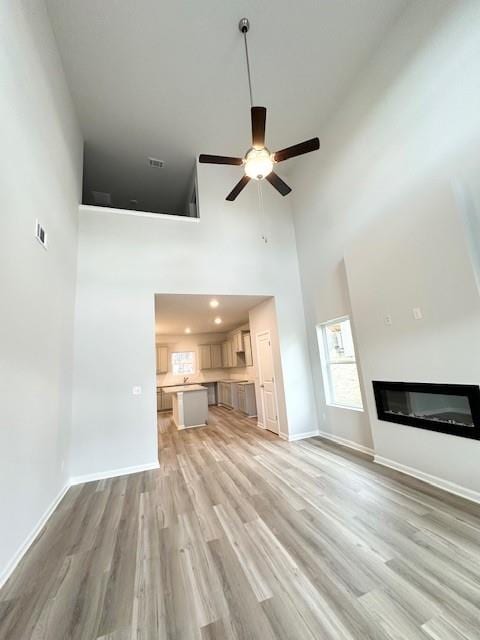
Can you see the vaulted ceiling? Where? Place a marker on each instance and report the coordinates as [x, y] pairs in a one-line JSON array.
[[168, 80]]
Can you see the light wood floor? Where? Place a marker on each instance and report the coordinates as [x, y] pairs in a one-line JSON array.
[[242, 535]]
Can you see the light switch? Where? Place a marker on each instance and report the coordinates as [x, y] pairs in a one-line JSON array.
[[136, 391], [388, 320], [417, 313]]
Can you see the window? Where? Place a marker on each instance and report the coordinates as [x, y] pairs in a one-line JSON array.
[[340, 374], [183, 362]]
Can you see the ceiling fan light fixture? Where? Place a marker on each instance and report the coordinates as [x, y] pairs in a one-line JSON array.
[[258, 163]]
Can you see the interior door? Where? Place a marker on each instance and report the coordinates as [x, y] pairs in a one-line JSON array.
[[267, 382]]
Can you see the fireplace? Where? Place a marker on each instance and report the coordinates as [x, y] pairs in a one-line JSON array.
[[449, 408]]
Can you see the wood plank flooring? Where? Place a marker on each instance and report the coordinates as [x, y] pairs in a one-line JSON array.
[[241, 535]]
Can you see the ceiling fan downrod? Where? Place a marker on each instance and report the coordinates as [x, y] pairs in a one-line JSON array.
[[258, 161], [244, 27]]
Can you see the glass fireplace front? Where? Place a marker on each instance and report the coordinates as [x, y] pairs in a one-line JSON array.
[[449, 408]]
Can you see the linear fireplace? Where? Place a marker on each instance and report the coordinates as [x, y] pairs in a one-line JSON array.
[[449, 408]]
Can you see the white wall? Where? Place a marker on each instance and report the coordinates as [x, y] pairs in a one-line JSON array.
[[40, 168], [409, 132], [124, 260]]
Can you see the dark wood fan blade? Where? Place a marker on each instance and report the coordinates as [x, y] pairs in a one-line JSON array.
[[297, 150], [259, 116], [237, 188], [219, 159], [281, 186]]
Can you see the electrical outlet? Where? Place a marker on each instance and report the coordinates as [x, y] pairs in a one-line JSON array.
[[417, 313], [136, 391], [388, 320]]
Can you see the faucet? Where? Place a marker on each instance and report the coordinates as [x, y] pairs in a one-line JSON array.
[[185, 379]]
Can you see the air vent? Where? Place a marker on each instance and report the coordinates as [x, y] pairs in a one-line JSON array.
[[40, 234], [101, 198], [155, 163]]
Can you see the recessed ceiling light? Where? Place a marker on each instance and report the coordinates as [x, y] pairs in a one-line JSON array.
[[214, 303], [218, 320], [188, 330]]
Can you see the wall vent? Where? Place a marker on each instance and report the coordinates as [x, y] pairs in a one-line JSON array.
[[155, 163], [101, 198], [40, 234]]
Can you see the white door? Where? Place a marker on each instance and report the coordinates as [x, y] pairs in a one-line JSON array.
[[267, 382]]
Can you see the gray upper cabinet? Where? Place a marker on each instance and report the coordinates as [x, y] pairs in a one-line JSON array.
[[237, 340], [205, 356], [210, 356], [162, 359], [247, 342], [227, 355], [216, 356]]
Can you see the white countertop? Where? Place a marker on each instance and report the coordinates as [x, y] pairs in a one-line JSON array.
[[184, 389]]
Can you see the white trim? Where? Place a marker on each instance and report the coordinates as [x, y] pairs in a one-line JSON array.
[[446, 485], [24, 547], [300, 436], [351, 444], [113, 473], [139, 214], [259, 425], [192, 426], [344, 406]]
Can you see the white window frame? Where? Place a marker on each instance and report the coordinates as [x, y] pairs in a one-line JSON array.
[[174, 364], [327, 363]]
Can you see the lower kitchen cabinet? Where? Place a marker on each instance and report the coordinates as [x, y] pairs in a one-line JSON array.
[[245, 398], [225, 394], [164, 400]]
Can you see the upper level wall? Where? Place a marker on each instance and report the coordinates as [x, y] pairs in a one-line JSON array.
[[124, 260], [40, 168]]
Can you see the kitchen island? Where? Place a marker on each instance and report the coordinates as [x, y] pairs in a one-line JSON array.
[[190, 405]]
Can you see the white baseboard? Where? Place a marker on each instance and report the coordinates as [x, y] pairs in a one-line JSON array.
[[12, 565], [10, 568], [259, 425], [351, 444], [113, 473], [446, 485], [300, 436]]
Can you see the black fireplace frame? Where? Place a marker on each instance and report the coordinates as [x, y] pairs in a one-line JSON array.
[[471, 391]]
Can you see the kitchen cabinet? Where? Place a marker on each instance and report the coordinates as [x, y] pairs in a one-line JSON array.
[[210, 356], [227, 354], [245, 399], [216, 356], [205, 356], [164, 401], [247, 343], [162, 359], [237, 341], [225, 394]]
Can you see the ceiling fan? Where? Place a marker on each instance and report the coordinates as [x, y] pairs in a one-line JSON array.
[[258, 162]]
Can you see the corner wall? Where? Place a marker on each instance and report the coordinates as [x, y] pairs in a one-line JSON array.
[[40, 168], [406, 139]]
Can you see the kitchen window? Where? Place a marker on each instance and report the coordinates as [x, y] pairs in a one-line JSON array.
[[340, 375], [183, 362]]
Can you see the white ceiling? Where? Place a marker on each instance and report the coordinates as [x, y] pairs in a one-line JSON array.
[[167, 79], [175, 312]]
